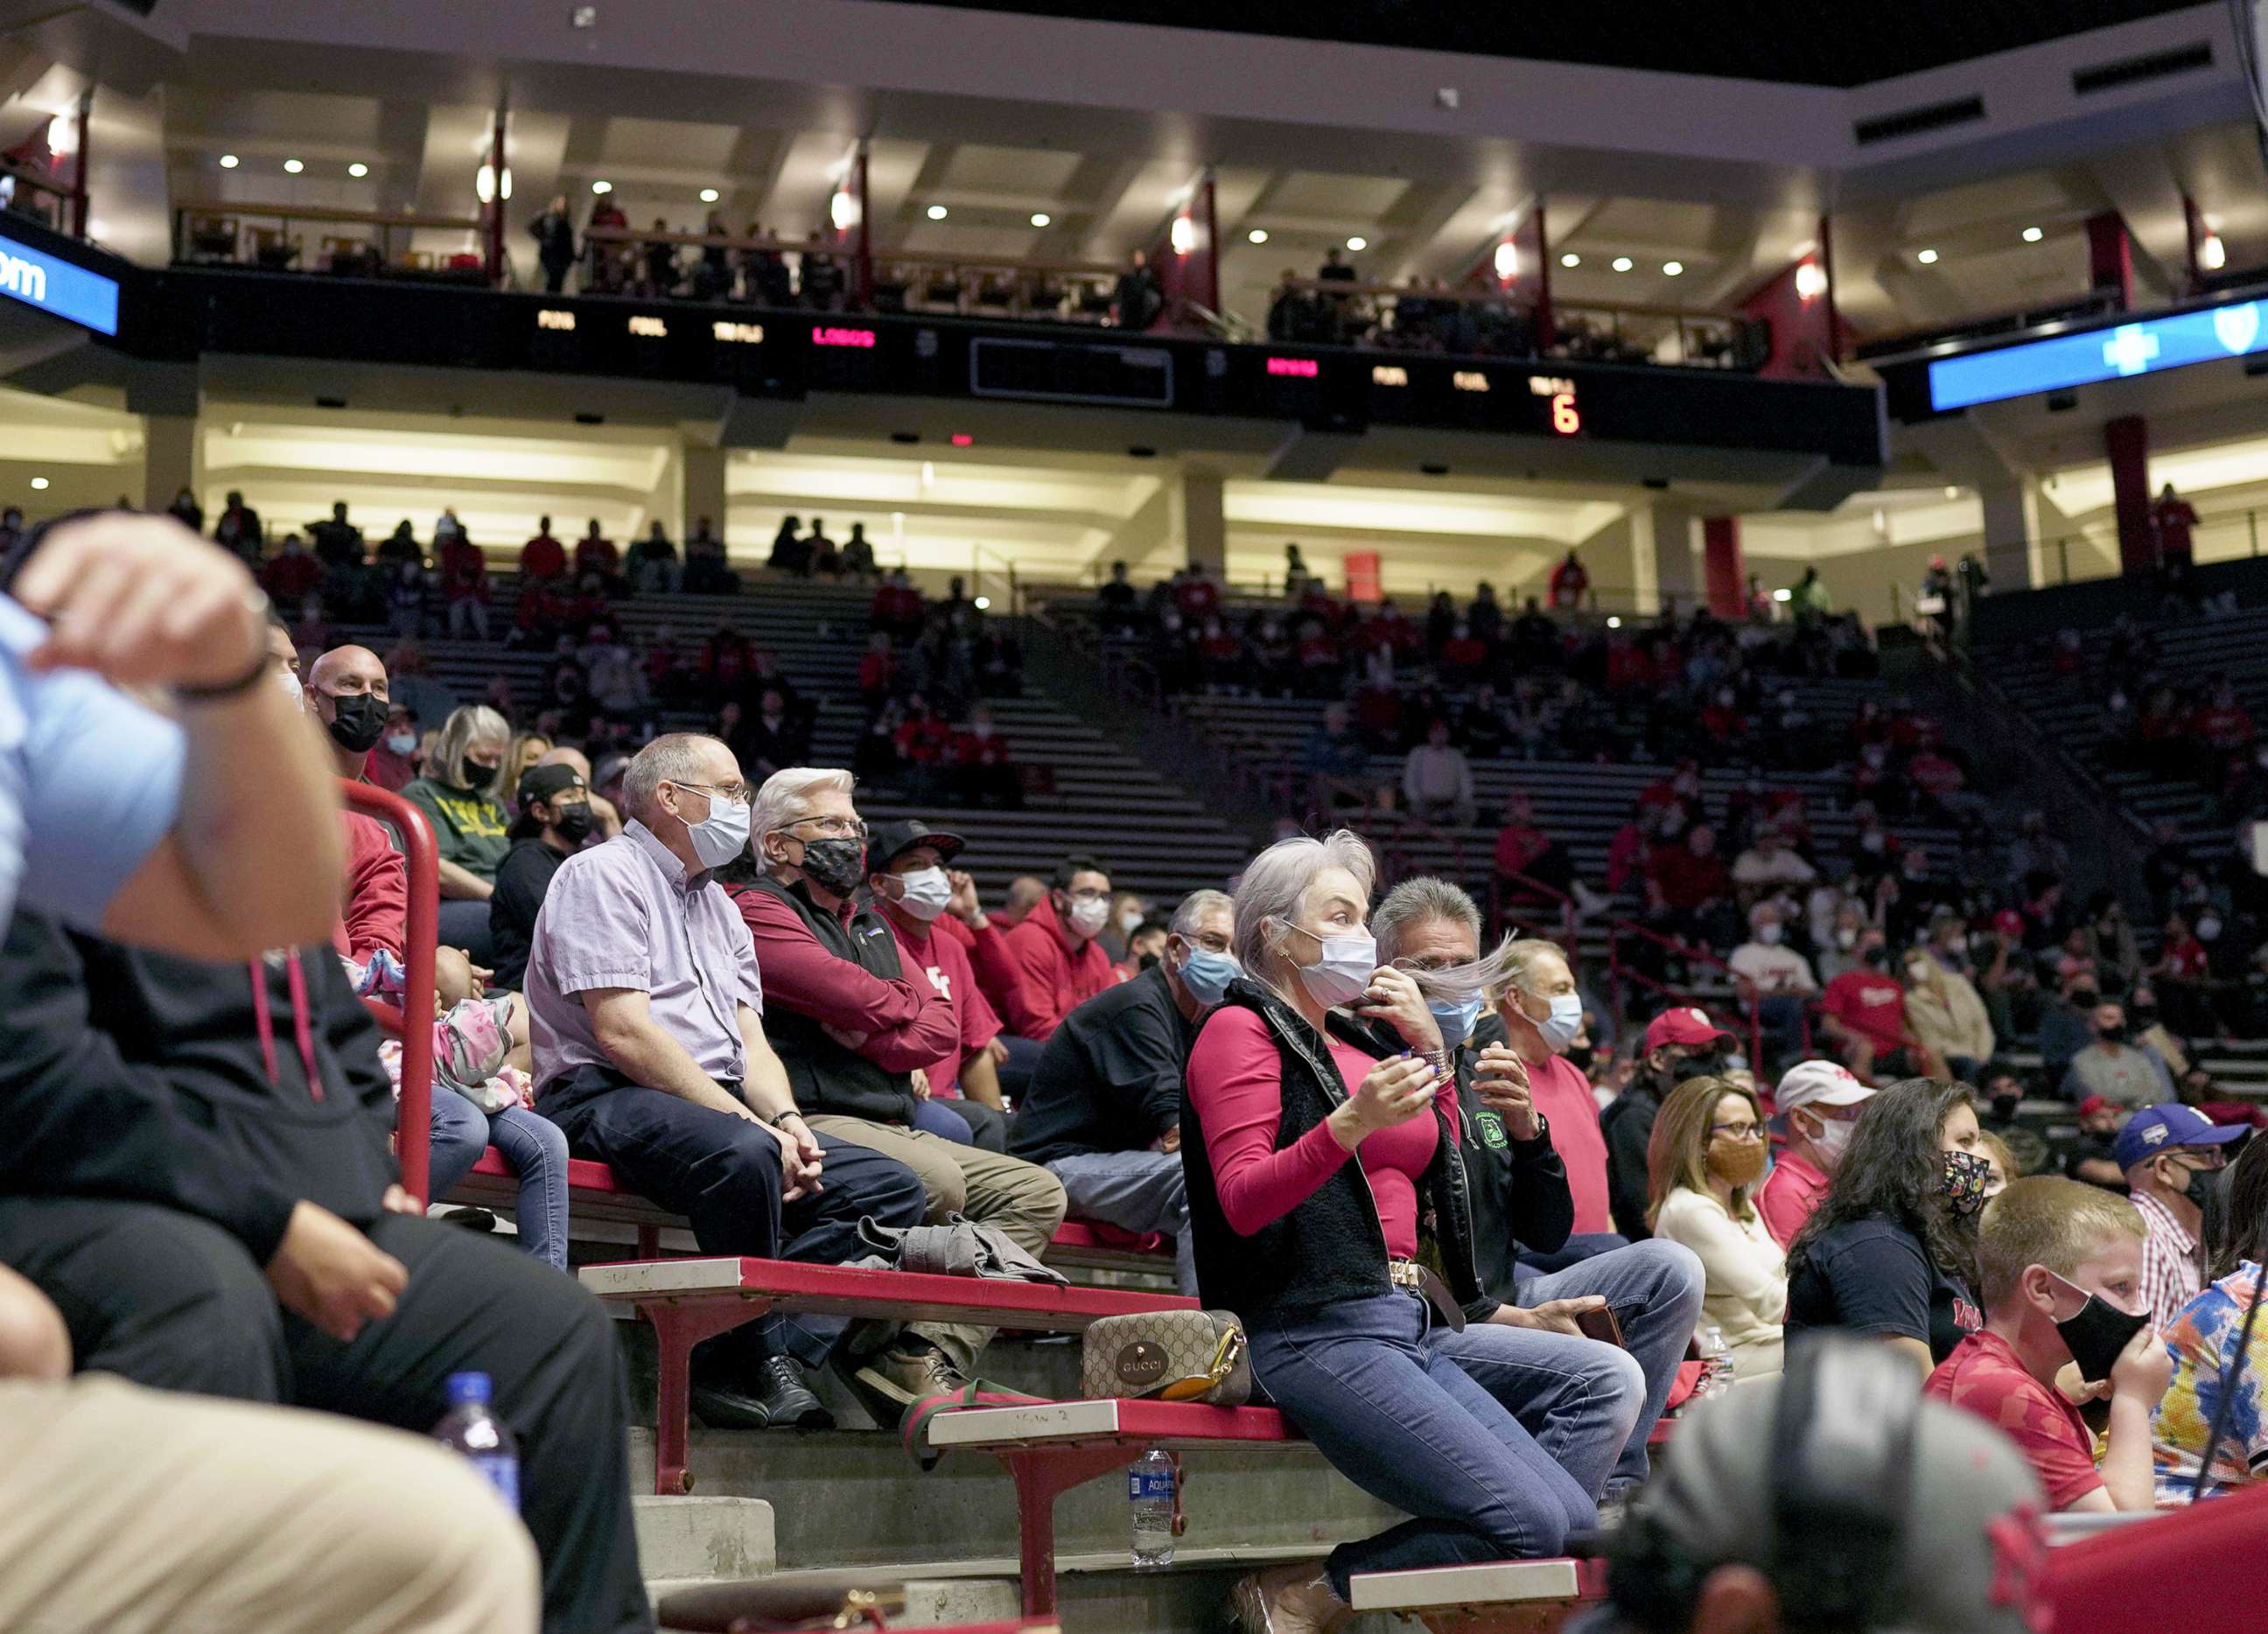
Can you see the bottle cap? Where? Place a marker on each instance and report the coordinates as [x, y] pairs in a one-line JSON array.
[[465, 1388]]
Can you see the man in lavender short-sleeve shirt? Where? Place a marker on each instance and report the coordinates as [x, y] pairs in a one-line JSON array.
[[645, 1012]]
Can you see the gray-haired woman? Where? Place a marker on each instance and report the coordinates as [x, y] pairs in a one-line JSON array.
[[1295, 1073]]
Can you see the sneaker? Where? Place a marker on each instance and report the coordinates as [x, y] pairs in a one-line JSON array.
[[1290, 1599], [908, 1372]]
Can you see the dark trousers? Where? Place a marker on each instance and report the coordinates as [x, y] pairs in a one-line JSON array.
[[174, 1302], [723, 1174]]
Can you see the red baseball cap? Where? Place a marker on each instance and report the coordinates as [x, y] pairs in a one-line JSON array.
[[2008, 921], [2091, 1105], [1687, 1024]]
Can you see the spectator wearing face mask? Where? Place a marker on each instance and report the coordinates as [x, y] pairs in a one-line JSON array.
[[554, 818], [2093, 1157], [1864, 1011], [345, 693], [2060, 1267], [1059, 961], [1706, 1157], [1103, 1112], [470, 824], [1773, 978], [2170, 1156], [2115, 1069], [2202, 1337], [1947, 1016], [1820, 1102], [1679, 1043], [1436, 780], [2067, 1023], [1887, 1254]]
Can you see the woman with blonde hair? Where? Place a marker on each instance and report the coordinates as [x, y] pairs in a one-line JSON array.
[[470, 825], [1947, 1016], [1703, 1165], [526, 752]]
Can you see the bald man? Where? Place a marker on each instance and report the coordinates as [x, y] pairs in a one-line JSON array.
[[345, 692], [606, 821]]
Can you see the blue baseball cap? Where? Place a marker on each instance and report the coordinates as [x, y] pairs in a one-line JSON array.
[[2154, 1129]]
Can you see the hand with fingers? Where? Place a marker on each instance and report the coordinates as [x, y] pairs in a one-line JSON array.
[[1392, 997], [143, 601], [1501, 1082], [1394, 1091]]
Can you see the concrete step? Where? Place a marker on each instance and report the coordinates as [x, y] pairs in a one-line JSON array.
[[706, 1537]]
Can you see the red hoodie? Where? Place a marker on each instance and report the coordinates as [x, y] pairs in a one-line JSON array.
[[1055, 982]]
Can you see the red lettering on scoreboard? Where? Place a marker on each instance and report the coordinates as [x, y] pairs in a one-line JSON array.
[[829, 334]]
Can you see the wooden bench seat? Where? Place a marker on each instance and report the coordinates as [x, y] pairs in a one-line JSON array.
[[1493, 1597]]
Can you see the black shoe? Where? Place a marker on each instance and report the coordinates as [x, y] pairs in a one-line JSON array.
[[471, 1219], [779, 1401]]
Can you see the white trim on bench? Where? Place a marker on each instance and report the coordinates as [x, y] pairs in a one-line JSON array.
[[1497, 1583], [1022, 1426], [644, 1278]]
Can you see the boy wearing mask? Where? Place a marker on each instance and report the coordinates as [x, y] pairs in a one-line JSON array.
[[1821, 1101], [2060, 1265]]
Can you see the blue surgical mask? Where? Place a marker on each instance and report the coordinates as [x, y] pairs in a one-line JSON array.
[[1562, 1022], [1456, 1020], [1207, 974]]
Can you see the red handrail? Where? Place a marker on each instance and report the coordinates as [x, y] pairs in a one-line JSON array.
[[1568, 908], [414, 1114], [1618, 972]]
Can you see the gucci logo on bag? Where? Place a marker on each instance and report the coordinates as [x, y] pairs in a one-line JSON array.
[[1141, 1363]]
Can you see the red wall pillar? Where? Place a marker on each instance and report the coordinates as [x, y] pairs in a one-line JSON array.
[[1727, 575], [2111, 257], [2126, 444]]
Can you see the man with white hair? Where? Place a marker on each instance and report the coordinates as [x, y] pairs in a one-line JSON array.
[[646, 1015], [851, 1025], [1104, 1110]]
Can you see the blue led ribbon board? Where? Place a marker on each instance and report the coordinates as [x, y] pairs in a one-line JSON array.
[[2149, 346], [54, 285]]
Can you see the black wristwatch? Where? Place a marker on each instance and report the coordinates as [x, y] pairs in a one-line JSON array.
[[1542, 1132], [779, 1118]]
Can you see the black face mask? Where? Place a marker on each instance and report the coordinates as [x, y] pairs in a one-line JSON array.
[[2142, 1015], [480, 774], [2085, 997], [836, 866], [2111, 1035], [358, 721], [1711, 1064], [2097, 1335], [1580, 1056], [573, 823], [2199, 1188]]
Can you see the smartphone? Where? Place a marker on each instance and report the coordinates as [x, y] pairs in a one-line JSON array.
[[1602, 1324]]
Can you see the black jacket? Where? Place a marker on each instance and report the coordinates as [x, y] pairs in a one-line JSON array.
[[1110, 1076], [825, 1076], [522, 880], [1628, 1122], [1519, 1188], [142, 1076], [1331, 1247]]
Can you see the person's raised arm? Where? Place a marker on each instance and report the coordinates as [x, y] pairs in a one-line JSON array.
[[246, 853]]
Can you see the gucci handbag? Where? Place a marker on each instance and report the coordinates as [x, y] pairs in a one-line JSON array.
[[1167, 1355]]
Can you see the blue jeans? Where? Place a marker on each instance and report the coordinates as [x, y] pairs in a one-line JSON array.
[[1134, 1191], [940, 1120], [1382, 1396], [722, 1173], [464, 923], [531, 1143], [1654, 1290]]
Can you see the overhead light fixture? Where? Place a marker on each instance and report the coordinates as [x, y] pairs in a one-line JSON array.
[[229, 161], [1673, 269], [1571, 259], [602, 186], [1951, 492], [1358, 243], [39, 484], [1927, 258], [1622, 264], [842, 210], [1783, 594], [357, 170], [1614, 621], [1182, 235], [1810, 280], [1508, 261], [983, 604], [1258, 235], [2213, 254], [2033, 235], [293, 167], [936, 212], [709, 195], [1040, 218]]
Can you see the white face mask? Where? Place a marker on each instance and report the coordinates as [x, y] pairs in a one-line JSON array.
[[722, 834], [1088, 916], [1342, 971], [1127, 919], [1832, 1141], [403, 743], [1768, 934], [925, 892], [1563, 1020], [290, 682]]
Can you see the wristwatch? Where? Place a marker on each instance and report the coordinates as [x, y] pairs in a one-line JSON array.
[[778, 1118], [1543, 1130]]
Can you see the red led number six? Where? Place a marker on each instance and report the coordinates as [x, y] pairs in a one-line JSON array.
[[1565, 420]]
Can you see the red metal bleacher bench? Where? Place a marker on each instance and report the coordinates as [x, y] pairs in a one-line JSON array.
[[1049, 1448], [688, 1300]]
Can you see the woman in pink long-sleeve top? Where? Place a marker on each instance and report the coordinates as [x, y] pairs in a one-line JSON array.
[[1320, 1139]]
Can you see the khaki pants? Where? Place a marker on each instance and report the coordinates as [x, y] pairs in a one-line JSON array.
[[1021, 1200], [126, 1511]]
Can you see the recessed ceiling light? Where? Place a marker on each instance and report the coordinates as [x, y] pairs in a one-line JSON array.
[[1358, 242], [936, 212], [709, 195], [1927, 258], [1040, 218], [1258, 235], [1571, 259], [602, 186], [357, 170], [1952, 492], [2033, 235], [228, 161], [1672, 269], [39, 484], [1622, 264], [1614, 621], [293, 167]]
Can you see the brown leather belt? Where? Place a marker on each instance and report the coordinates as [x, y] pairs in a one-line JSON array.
[[1412, 1278]]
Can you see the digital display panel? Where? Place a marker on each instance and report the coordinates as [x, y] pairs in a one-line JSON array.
[[2147, 346], [54, 285]]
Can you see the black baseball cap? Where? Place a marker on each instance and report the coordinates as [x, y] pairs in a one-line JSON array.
[[540, 782], [888, 841]]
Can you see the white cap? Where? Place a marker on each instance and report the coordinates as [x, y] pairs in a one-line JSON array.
[[1820, 1082]]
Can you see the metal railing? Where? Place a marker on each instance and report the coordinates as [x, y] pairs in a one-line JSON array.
[[414, 1025], [221, 232], [1620, 973]]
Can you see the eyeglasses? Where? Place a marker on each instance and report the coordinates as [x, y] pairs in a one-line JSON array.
[[1088, 896], [1737, 1131], [834, 827], [736, 793]]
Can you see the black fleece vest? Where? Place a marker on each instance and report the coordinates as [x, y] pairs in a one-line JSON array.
[[825, 1076]]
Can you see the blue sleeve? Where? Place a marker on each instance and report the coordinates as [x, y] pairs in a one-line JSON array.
[[93, 781], [1879, 1279]]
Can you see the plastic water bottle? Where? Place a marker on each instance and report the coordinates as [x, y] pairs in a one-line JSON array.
[[1715, 1361], [1150, 1493], [471, 1429]]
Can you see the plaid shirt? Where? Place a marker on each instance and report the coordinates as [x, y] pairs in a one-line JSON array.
[[2171, 1277]]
